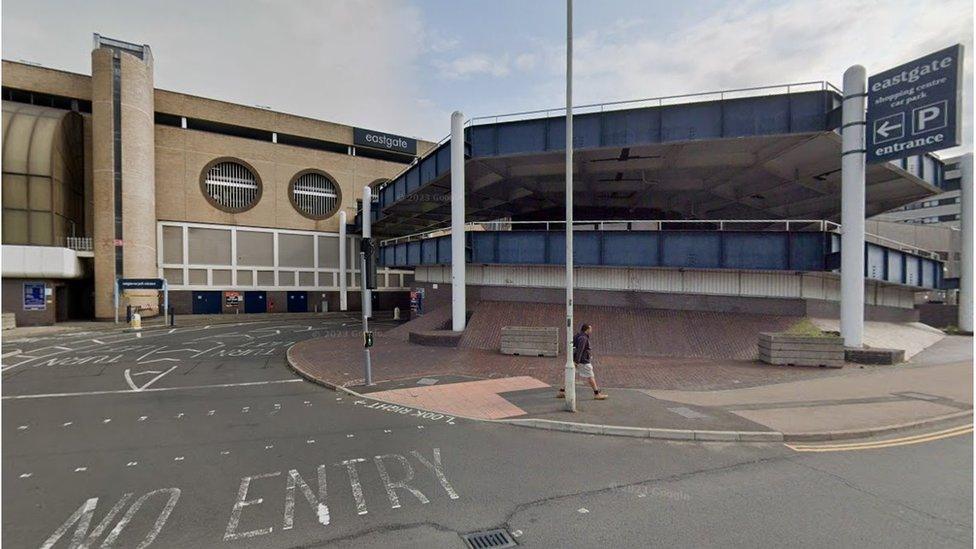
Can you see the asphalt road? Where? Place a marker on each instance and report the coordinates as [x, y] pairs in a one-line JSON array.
[[202, 437]]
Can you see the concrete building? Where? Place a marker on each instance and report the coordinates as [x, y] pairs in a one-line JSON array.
[[942, 209], [237, 207]]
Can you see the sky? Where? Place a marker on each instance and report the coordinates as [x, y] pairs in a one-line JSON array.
[[403, 66]]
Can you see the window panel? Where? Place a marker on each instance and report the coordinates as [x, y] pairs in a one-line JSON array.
[[208, 246], [14, 227], [295, 250], [173, 276], [40, 229], [14, 191], [172, 244], [255, 248]]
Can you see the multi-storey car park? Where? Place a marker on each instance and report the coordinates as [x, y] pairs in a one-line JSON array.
[[725, 202]]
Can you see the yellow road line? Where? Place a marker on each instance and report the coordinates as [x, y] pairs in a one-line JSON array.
[[903, 441]]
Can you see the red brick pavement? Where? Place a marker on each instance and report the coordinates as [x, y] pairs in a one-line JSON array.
[[338, 361]]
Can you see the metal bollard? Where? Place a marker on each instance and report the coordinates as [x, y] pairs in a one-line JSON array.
[[128, 313], [172, 316]]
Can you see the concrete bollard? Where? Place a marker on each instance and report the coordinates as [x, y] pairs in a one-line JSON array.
[[396, 313], [136, 323]]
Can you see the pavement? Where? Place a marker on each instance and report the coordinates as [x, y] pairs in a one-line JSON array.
[[203, 437], [658, 397]]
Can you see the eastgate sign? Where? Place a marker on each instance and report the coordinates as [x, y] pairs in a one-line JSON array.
[[384, 141], [914, 108]]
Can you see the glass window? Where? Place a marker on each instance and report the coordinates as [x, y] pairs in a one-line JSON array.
[[14, 191], [221, 277], [14, 227], [245, 278], [295, 250], [40, 193], [41, 230], [306, 278], [328, 252], [198, 277], [266, 278], [173, 276]]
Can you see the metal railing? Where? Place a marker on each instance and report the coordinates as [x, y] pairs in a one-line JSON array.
[[78, 243], [787, 225]]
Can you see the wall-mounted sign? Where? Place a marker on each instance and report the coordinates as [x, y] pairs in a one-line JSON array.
[[233, 299], [140, 284], [384, 141], [34, 296], [915, 108]]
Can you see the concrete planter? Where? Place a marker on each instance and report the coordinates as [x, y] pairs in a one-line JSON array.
[[797, 350], [530, 341]]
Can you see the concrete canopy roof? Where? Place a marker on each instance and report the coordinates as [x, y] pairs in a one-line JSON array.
[[793, 176]]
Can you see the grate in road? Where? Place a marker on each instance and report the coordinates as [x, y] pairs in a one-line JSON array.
[[499, 537]]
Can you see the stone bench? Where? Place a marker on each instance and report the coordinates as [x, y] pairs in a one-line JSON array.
[[798, 350], [530, 341]]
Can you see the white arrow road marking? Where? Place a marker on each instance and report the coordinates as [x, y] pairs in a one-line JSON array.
[[128, 379], [11, 353]]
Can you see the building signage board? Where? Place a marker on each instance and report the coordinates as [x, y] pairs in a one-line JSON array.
[[916, 107], [384, 141], [34, 299], [140, 284], [233, 299]]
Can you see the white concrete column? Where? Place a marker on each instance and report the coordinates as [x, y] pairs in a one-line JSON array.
[[367, 233], [458, 297], [966, 262], [343, 260], [852, 208]]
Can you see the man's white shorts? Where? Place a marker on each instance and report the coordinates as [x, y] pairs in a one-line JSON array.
[[584, 370]]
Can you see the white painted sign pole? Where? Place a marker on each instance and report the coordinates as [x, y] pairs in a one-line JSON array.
[[852, 207], [367, 233], [966, 225], [570, 370], [458, 265], [343, 259]]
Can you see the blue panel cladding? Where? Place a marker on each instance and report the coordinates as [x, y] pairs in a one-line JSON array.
[[413, 179], [631, 127], [586, 132], [691, 249], [874, 257], [896, 271], [928, 273], [522, 247], [444, 250], [444, 158], [522, 137], [400, 184], [756, 116], [808, 111], [483, 246], [428, 251], [586, 248], [755, 251], [428, 169], [911, 270], [482, 139], [388, 256], [807, 251], [631, 249], [413, 253], [400, 256], [694, 121]]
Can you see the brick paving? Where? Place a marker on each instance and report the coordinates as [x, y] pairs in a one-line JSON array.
[[479, 399], [338, 362]]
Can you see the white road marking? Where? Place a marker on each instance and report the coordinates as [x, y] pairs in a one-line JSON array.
[[158, 389], [387, 431], [316, 502], [245, 409], [107, 420], [224, 452], [142, 418], [350, 436], [357, 488], [67, 423], [15, 352], [128, 378], [81, 469], [179, 415], [171, 331], [26, 475], [582, 510], [402, 484], [268, 446], [235, 515], [310, 441], [132, 464], [100, 342], [62, 348], [420, 426], [211, 412], [22, 427], [178, 458]]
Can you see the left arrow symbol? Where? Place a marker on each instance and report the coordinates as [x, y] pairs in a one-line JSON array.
[[886, 128]]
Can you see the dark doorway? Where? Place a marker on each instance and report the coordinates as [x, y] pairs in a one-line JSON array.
[[297, 302], [255, 302], [206, 303]]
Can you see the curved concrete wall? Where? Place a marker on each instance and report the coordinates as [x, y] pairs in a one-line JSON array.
[[138, 178]]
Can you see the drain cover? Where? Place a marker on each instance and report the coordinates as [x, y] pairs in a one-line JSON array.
[[499, 537]]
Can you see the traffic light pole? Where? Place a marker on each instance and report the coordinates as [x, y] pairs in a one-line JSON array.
[[367, 337]]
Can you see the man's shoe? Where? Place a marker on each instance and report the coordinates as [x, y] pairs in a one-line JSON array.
[[600, 396]]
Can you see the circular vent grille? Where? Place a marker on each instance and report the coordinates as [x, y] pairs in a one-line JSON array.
[[314, 194], [231, 186]]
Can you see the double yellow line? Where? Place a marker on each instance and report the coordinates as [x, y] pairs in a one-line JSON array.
[[903, 441]]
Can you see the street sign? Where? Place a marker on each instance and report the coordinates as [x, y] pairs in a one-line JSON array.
[[916, 107], [140, 284], [34, 296]]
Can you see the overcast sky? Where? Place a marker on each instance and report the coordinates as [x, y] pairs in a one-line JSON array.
[[403, 66]]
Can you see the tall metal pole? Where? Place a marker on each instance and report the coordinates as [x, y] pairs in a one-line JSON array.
[[852, 207], [458, 264], [367, 233], [343, 259], [368, 364], [966, 226], [570, 370]]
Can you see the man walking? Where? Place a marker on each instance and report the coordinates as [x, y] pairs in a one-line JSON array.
[[584, 362]]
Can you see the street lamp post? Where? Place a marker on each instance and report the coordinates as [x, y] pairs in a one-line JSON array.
[[570, 381]]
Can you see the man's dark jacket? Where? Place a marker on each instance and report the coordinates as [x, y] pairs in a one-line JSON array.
[[581, 348]]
